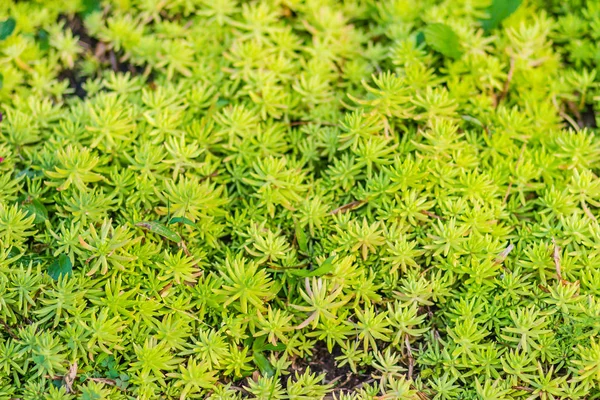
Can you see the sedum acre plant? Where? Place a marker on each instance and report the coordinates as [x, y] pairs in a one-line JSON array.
[[299, 199]]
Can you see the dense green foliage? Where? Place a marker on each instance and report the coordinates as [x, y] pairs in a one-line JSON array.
[[197, 195]]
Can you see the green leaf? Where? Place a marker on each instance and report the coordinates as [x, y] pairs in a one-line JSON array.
[[29, 173], [1, 80], [498, 11], [256, 343], [90, 6], [259, 344], [302, 239], [159, 229], [270, 347], [473, 120], [263, 365], [222, 103], [7, 27], [420, 38], [35, 207], [443, 39], [324, 269], [182, 220], [61, 266], [43, 39]]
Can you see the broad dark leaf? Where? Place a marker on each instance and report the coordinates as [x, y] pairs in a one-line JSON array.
[[443, 39], [90, 6], [323, 269], [60, 266], [498, 11], [7, 27], [302, 239], [263, 364], [35, 207], [43, 39]]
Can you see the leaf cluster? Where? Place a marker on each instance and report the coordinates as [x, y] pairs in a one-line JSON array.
[[196, 196]]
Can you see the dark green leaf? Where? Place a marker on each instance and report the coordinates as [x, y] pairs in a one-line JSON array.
[[443, 39], [7, 27], [1, 80], [29, 173], [259, 344], [473, 120], [263, 365], [57, 383], [222, 103], [159, 229], [498, 11], [43, 39], [420, 38], [270, 347], [13, 252], [182, 220], [255, 343], [324, 269], [61, 266], [34, 207], [89, 7], [302, 239]]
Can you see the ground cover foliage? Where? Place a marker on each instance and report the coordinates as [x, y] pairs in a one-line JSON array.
[[299, 199]]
